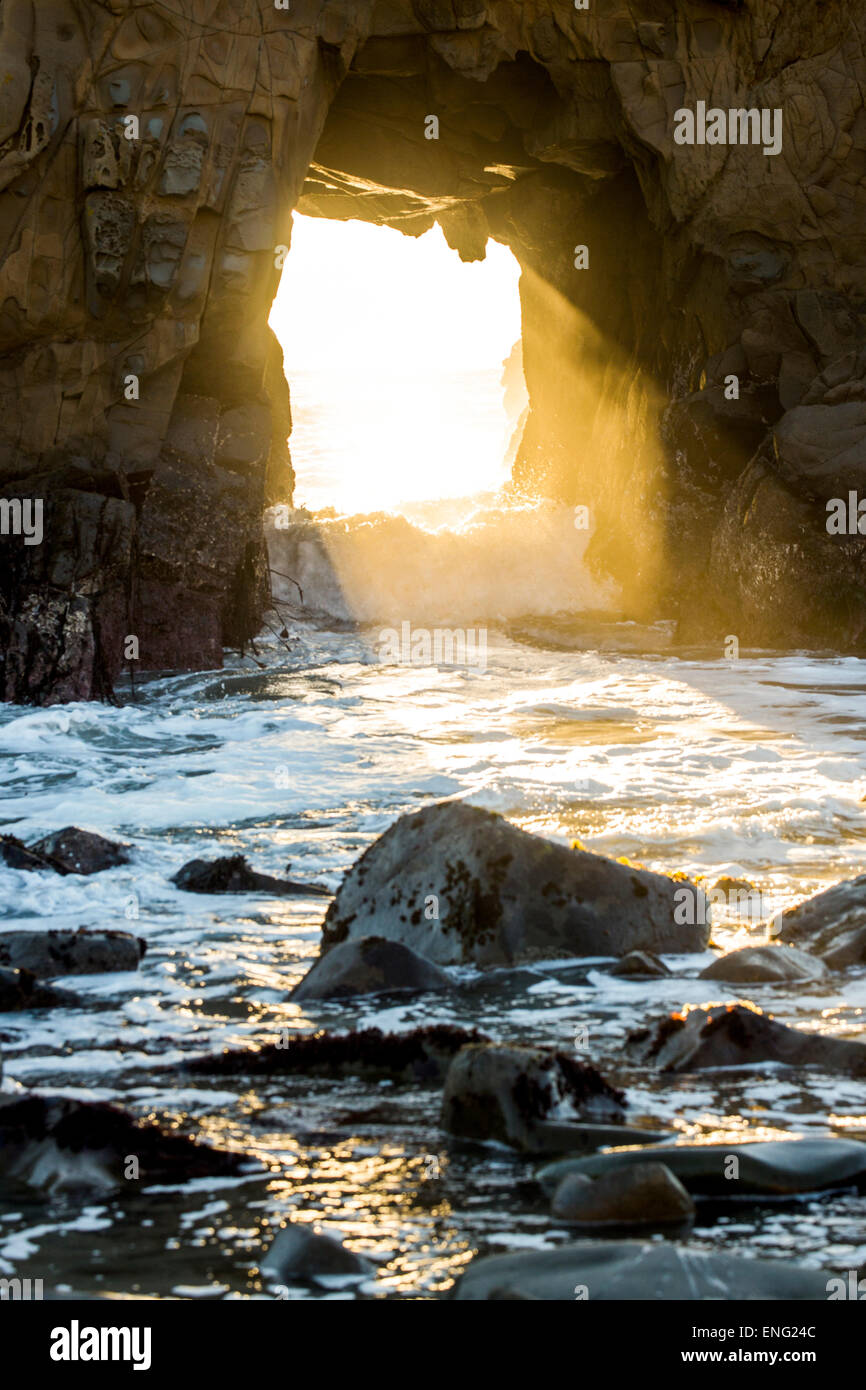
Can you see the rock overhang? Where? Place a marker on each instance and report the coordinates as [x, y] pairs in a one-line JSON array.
[[149, 263]]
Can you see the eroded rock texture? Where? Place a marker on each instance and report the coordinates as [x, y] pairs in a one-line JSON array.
[[142, 392]]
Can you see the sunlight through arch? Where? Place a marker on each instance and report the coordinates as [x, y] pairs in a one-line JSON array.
[[395, 352]]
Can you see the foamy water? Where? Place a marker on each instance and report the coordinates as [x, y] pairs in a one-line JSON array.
[[579, 727]]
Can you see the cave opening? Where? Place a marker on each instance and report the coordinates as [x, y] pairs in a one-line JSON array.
[[404, 365]]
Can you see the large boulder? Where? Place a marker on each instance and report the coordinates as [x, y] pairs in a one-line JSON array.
[[372, 965], [79, 952], [832, 924], [457, 883], [643, 1194], [614, 1269], [766, 965], [527, 1097], [737, 1035], [772, 1168]]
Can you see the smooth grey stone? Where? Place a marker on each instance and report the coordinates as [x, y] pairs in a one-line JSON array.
[[775, 1167], [643, 1194], [766, 965], [371, 965], [299, 1252], [660, 1272]]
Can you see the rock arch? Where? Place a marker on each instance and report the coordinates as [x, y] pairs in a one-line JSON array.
[[143, 397]]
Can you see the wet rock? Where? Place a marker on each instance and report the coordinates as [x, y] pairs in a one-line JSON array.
[[640, 965], [457, 883], [420, 1056], [524, 1096], [766, 965], [79, 952], [613, 1269], [644, 1194], [728, 885], [731, 1035], [232, 874], [56, 1144], [16, 855], [832, 924], [775, 1168], [848, 948], [372, 965], [19, 989], [299, 1252], [575, 1138], [81, 851]]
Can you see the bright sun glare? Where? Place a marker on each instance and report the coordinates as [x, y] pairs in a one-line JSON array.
[[394, 350]]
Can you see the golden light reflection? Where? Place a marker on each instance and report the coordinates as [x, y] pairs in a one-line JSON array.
[[378, 1203]]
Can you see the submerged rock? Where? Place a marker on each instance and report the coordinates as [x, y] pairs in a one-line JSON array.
[[20, 989], [299, 1252], [57, 1144], [766, 965], [232, 874], [625, 1269], [728, 885], [643, 1194], [641, 965], [457, 883], [420, 1056], [79, 952], [524, 1096], [81, 851], [775, 1168], [833, 923], [731, 1035], [371, 965]]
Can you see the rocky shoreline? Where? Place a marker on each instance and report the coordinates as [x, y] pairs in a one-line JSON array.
[[611, 1178]]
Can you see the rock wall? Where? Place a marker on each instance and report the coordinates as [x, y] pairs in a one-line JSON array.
[[150, 157]]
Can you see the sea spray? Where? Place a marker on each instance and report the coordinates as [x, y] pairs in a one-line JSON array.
[[500, 563]]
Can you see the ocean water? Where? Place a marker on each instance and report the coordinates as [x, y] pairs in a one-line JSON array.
[[301, 753]]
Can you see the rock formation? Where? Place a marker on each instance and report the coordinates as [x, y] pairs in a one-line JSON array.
[[730, 1035], [516, 1095], [458, 884], [150, 157]]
